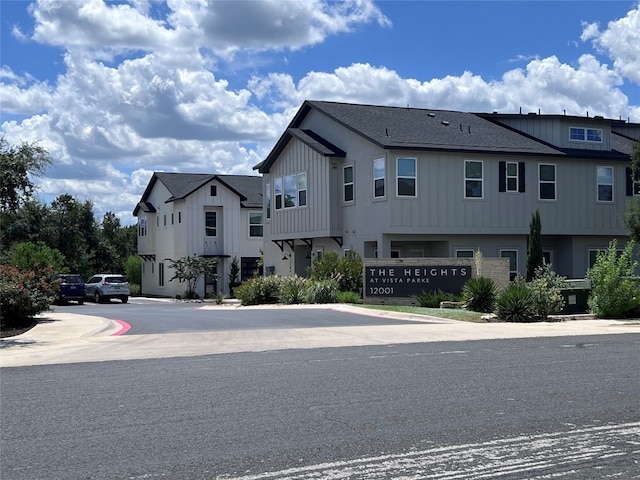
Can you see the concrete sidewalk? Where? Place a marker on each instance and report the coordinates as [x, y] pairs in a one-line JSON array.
[[72, 338]]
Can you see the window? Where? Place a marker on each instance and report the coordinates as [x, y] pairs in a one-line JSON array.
[[302, 189], [406, 175], [210, 224], [378, 178], [164, 219], [179, 217], [472, 179], [547, 182], [277, 191], [142, 227], [290, 191], [268, 200], [511, 177], [172, 219], [512, 255], [464, 253], [161, 274], [213, 190], [255, 224], [347, 183], [633, 187], [157, 222], [605, 184], [579, 134]]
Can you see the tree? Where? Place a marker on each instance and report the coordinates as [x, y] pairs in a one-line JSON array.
[[35, 256], [535, 257], [234, 275], [632, 215], [17, 164], [190, 269]]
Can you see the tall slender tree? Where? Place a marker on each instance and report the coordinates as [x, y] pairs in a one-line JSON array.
[[535, 257], [632, 214]]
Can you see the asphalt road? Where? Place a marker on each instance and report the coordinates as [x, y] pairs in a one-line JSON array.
[[564, 407], [154, 317]]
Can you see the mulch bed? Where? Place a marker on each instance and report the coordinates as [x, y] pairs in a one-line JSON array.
[[13, 330]]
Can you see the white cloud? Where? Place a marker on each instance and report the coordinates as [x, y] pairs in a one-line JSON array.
[[109, 122], [620, 41], [277, 24]]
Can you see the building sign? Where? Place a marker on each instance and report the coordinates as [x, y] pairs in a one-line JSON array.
[[410, 280]]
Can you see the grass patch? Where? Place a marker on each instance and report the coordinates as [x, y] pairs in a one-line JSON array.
[[450, 313]]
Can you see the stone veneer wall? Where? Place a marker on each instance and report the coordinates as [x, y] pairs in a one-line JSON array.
[[495, 268]]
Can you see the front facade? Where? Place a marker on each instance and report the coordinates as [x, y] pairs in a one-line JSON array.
[[183, 214], [393, 182]]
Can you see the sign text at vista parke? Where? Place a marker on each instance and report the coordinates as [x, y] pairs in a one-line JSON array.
[[406, 280]]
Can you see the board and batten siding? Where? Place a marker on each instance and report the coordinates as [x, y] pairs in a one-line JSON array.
[[555, 130], [318, 217]]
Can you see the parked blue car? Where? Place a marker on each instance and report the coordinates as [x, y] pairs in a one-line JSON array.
[[71, 287]]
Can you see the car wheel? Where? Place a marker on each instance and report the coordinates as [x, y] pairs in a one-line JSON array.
[[80, 302], [124, 299], [97, 298]]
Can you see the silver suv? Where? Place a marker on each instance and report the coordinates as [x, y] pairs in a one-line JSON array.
[[105, 286]]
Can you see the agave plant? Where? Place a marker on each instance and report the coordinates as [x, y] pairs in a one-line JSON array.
[[479, 294], [516, 304]]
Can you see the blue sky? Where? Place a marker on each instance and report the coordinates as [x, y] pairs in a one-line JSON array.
[[117, 90]]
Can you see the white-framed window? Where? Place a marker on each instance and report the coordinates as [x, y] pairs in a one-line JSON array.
[[546, 181], [164, 220], [290, 191], [512, 255], [378, 177], [161, 274], [210, 224], [157, 221], [290, 188], [255, 224], [172, 218], [464, 253], [179, 216], [407, 176], [213, 190], [302, 189], [512, 177], [268, 200], [142, 226], [473, 179], [347, 184], [580, 134], [605, 184], [277, 192]]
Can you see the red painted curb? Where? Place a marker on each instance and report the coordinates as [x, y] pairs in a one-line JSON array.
[[124, 328]]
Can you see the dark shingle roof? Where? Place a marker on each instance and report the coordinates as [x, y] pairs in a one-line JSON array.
[[416, 129], [181, 185]]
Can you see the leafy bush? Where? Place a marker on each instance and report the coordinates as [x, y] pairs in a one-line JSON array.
[[347, 271], [133, 270], [348, 297], [613, 287], [25, 293], [516, 303], [134, 289], [433, 298], [322, 291], [292, 290], [259, 290], [479, 294], [546, 289]]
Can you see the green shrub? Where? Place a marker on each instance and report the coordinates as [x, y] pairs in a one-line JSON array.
[[347, 271], [25, 293], [134, 289], [546, 289], [479, 294], [516, 304], [133, 270], [322, 291], [348, 297], [613, 287], [259, 290], [292, 290], [433, 298]]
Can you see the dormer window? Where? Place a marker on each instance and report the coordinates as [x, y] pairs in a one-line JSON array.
[[580, 134]]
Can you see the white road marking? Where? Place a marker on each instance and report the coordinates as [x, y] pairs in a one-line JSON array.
[[549, 455]]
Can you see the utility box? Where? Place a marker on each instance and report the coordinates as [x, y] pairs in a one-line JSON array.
[[576, 297]]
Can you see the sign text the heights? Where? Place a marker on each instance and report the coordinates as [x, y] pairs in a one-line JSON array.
[[409, 280]]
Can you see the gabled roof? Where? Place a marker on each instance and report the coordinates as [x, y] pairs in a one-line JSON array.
[[181, 185], [414, 129]]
